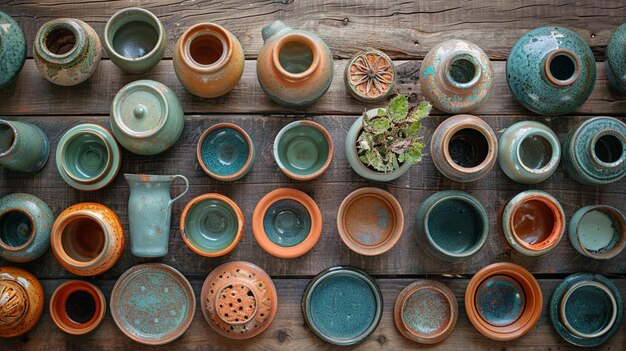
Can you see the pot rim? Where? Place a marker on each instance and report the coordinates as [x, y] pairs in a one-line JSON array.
[[459, 122], [457, 56], [616, 217], [204, 29], [569, 293], [548, 73], [76, 286], [73, 25], [149, 18], [240, 173], [554, 145], [31, 236], [296, 37], [620, 161], [58, 229]]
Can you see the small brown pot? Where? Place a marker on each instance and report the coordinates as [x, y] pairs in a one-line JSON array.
[[77, 307], [21, 301]]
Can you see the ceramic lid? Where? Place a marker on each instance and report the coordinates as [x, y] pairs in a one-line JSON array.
[[21, 301], [140, 109], [370, 75]]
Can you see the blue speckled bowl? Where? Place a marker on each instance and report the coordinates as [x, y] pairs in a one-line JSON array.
[[225, 152]]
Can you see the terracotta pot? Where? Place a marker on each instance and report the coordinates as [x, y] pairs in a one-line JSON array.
[[21, 301], [598, 231], [87, 239], [225, 152], [77, 307], [370, 76]]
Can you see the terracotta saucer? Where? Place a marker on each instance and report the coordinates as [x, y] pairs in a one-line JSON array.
[[77, 307], [21, 301]]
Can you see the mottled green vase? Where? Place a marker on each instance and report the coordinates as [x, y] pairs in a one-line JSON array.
[[24, 147], [12, 49], [615, 64]]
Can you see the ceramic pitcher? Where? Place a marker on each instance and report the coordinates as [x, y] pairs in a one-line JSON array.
[[149, 212]]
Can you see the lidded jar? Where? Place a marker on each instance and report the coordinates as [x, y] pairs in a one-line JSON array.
[[12, 49]]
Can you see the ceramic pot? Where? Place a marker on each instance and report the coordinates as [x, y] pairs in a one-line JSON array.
[[87, 239], [287, 223], [294, 67], [529, 152], [25, 224], [594, 152], [503, 301], [24, 147], [370, 221], [12, 50], [211, 225], [303, 150], [225, 152], [77, 307], [598, 231], [150, 212], [615, 63], [456, 76], [457, 240], [208, 60], [551, 70], [426, 312], [370, 76], [21, 301], [238, 300], [342, 305], [146, 117], [586, 309], [135, 40], [67, 51], [88, 157]]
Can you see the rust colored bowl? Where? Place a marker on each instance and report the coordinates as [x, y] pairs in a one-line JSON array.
[[21, 301], [77, 307]]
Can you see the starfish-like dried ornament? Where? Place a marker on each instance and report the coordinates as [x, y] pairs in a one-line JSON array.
[[370, 75]]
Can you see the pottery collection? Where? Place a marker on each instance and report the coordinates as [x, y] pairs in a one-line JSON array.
[[21, 301], [12, 50], [77, 307], [24, 147]]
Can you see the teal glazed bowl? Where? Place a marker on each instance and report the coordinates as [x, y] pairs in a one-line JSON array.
[[342, 305], [598, 231], [225, 152], [303, 150]]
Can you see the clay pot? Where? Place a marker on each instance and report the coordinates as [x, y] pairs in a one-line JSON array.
[[21, 301], [24, 147], [598, 231], [12, 50], [370, 76], [225, 152], [615, 63], [77, 307], [87, 239]]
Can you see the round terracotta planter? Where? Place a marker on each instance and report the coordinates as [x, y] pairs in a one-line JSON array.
[[77, 307], [225, 152], [21, 301], [598, 231]]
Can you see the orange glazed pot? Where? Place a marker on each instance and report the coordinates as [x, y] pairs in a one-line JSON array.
[[87, 239], [21, 301], [77, 307]]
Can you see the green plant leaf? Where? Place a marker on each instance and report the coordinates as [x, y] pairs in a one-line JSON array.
[[379, 125], [374, 160], [401, 158], [421, 111], [381, 112], [398, 108], [414, 154], [414, 128]]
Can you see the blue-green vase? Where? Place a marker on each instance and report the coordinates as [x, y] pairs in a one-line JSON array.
[[615, 64], [12, 49]]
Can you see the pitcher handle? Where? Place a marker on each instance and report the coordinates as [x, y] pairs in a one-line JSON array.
[[186, 187]]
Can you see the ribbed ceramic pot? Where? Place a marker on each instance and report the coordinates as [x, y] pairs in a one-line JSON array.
[[598, 231], [77, 307], [370, 76], [529, 152], [464, 148], [225, 152], [12, 50], [294, 67], [67, 51], [615, 63], [456, 76], [24, 147], [303, 150], [87, 239], [146, 117], [21, 301], [594, 152], [135, 40], [551, 70], [25, 225], [208, 60]]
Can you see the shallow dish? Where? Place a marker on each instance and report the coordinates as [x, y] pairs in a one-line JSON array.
[[225, 152]]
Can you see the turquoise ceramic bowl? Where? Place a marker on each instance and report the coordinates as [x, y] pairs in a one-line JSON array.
[[598, 231], [225, 152], [12, 50]]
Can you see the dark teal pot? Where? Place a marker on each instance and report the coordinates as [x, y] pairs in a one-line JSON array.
[[551, 71], [24, 147], [12, 49], [615, 64]]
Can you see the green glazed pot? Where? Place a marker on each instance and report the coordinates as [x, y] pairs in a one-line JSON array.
[[12, 49], [25, 225], [225, 152], [24, 147], [615, 63], [146, 117], [303, 150], [598, 231]]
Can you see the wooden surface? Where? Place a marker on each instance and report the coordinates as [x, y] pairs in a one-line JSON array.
[[406, 31]]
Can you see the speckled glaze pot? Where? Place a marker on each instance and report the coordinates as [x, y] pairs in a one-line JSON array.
[[370, 76], [208, 60], [464, 148], [551, 70], [238, 300], [598, 231], [87, 239], [456, 76], [146, 117], [594, 152], [294, 66], [225, 152], [25, 224], [12, 50], [615, 63], [67, 51], [77, 307], [24, 147], [303, 150], [21, 301]]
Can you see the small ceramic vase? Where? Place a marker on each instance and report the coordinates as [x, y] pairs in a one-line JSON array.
[[598, 231], [586, 309], [87, 239], [77, 307], [615, 63], [294, 67], [370, 76], [426, 312], [88, 157], [303, 150], [135, 40], [503, 301], [225, 152], [24, 147], [287, 223], [25, 224], [12, 50], [533, 222], [551, 70], [208, 60], [456, 240], [238, 300], [211, 225], [594, 152], [342, 305], [21, 301], [370, 221], [456, 76], [529, 152], [67, 51], [146, 117]]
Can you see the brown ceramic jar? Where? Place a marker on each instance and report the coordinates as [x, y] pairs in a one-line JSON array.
[[21, 301], [77, 307]]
